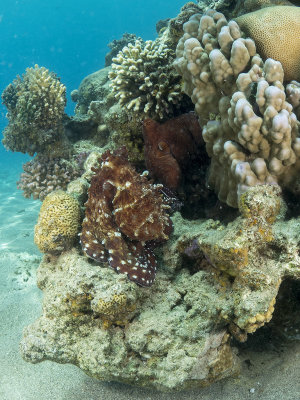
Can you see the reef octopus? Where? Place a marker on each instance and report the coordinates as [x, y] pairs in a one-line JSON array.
[[169, 147], [125, 214]]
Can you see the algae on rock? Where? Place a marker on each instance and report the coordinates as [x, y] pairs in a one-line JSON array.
[[176, 334]]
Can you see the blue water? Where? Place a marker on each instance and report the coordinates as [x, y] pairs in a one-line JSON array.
[[69, 37]]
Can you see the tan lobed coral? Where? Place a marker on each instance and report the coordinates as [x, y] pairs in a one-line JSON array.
[[35, 104], [249, 127], [293, 96], [58, 222], [276, 32]]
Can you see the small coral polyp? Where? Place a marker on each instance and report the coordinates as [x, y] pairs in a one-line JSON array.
[[124, 212]]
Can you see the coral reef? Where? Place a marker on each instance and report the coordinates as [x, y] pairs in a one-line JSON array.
[[174, 335], [124, 212], [35, 105], [276, 32], [169, 147], [58, 223], [165, 320], [42, 175], [144, 80], [250, 130]]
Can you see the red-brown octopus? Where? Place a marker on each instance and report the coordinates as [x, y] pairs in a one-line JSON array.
[[169, 147], [124, 213]]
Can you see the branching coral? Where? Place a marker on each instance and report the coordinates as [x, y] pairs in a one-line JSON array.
[[43, 175], [144, 81], [250, 129], [118, 44], [35, 104]]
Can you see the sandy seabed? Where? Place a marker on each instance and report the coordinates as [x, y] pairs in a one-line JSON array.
[[270, 368]]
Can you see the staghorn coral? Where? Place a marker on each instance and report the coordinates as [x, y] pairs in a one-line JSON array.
[[250, 130], [35, 105], [144, 81], [276, 32], [42, 175], [169, 147], [58, 223], [124, 212]]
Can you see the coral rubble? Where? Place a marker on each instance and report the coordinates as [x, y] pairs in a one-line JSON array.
[[124, 212]]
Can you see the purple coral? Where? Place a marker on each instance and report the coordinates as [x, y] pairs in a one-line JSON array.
[[42, 176]]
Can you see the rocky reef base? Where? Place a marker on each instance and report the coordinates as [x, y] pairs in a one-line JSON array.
[[215, 282]]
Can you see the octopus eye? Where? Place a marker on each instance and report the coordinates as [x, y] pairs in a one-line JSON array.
[[162, 146]]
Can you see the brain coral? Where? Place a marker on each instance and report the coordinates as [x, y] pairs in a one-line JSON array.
[[58, 223], [276, 32], [35, 105]]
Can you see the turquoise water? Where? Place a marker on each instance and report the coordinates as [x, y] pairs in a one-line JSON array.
[[70, 38]]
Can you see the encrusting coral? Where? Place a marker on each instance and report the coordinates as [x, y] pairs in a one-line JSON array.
[[250, 130], [170, 146], [58, 223], [35, 104], [276, 32], [123, 213]]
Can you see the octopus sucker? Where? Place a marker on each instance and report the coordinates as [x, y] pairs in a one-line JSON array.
[[124, 212]]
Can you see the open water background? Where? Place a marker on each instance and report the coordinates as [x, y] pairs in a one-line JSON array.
[[70, 38]]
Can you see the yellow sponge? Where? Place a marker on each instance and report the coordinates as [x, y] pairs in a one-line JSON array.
[[276, 32], [58, 223]]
